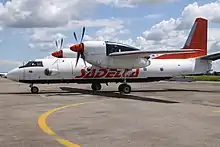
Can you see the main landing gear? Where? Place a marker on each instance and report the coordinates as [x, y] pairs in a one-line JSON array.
[[123, 88], [96, 86], [34, 89]]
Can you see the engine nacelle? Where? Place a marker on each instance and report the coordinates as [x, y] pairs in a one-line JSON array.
[[50, 72], [64, 53]]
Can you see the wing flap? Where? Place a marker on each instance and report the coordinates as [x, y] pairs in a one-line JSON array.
[[148, 53], [212, 57]]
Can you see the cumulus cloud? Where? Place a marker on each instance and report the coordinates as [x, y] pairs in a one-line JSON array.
[[53, 13], [41, 13], [44, 38], [132, 3], [47, 19]]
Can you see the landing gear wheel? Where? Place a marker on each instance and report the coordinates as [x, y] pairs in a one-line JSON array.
[[34, 89], [96, 86], [124, 88]]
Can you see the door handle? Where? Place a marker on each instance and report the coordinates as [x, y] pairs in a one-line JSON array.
[[30, 71]]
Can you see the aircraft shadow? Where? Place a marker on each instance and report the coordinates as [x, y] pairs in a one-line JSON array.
[[29, 93], [177, 90], [112, 94], [68, 92]]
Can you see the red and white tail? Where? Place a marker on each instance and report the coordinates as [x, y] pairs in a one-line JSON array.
[[197, 39]]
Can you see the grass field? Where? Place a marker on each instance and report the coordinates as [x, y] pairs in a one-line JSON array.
[[205, 78]]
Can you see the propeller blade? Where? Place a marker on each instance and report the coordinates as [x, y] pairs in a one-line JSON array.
[[56, 43], [83, 33], [61, 44], [83, 57], [74, 34], [77, 59]]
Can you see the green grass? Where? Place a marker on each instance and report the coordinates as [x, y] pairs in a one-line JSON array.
[[205, 78]]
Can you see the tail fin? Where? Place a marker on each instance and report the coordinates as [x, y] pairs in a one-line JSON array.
[[197, 39]]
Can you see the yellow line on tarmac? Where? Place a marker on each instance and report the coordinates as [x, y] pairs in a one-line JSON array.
[[43, 125], [216, 111]]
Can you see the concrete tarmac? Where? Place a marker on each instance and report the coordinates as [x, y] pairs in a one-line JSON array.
[[158, 114]]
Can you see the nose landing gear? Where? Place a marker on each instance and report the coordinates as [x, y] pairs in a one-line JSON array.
[[34, 89]]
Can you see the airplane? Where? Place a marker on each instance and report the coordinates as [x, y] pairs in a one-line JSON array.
[[165, 66]]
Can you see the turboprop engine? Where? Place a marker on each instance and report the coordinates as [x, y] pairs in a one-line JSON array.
[[64, 53]]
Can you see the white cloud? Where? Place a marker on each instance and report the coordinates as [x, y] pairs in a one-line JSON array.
[[44, 38], [55, 13], [132, 3], [41, 13]]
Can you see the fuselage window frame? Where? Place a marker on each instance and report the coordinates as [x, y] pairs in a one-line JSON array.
[[114, 47], [32, 64]]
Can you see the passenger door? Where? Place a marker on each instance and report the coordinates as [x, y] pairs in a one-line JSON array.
[[65, 69]]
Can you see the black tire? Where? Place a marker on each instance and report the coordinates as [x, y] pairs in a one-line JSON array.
[[96, 86], [120, 87], [34, 89], [124, 88]]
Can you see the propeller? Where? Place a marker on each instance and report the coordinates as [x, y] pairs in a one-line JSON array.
[[79, 48], [59, 53], [61, 44]]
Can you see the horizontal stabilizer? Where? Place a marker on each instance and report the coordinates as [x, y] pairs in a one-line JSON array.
[[148, 53], [212, 57]]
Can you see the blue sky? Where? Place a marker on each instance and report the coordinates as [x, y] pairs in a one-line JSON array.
[[15, 43]]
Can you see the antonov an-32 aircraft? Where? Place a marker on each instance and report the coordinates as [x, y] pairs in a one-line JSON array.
[[64, 70]]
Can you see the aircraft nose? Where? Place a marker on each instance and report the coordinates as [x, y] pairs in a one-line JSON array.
[[13, 74]]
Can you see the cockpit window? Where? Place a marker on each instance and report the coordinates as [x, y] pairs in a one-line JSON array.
[[33, 64], [112, 47]]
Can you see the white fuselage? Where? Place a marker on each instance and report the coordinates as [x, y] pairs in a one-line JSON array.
[[64, 71]]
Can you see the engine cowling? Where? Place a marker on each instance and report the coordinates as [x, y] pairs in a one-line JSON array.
[[64, 53]]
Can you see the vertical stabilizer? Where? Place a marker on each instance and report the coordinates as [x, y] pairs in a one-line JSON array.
[[197, 39]]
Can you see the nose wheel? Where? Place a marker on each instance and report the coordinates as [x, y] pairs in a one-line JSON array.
[[34, 89], [124, 88]]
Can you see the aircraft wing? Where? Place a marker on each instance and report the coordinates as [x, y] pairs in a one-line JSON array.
[[148, 53], [213, 57]]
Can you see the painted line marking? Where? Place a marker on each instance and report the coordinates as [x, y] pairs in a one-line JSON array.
[[216, 111], [43, 124]]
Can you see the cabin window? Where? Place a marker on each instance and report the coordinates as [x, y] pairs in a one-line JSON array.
[[33, 64]]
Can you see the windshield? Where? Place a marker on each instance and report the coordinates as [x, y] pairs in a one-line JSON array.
[[33, 64], [112, 47]]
